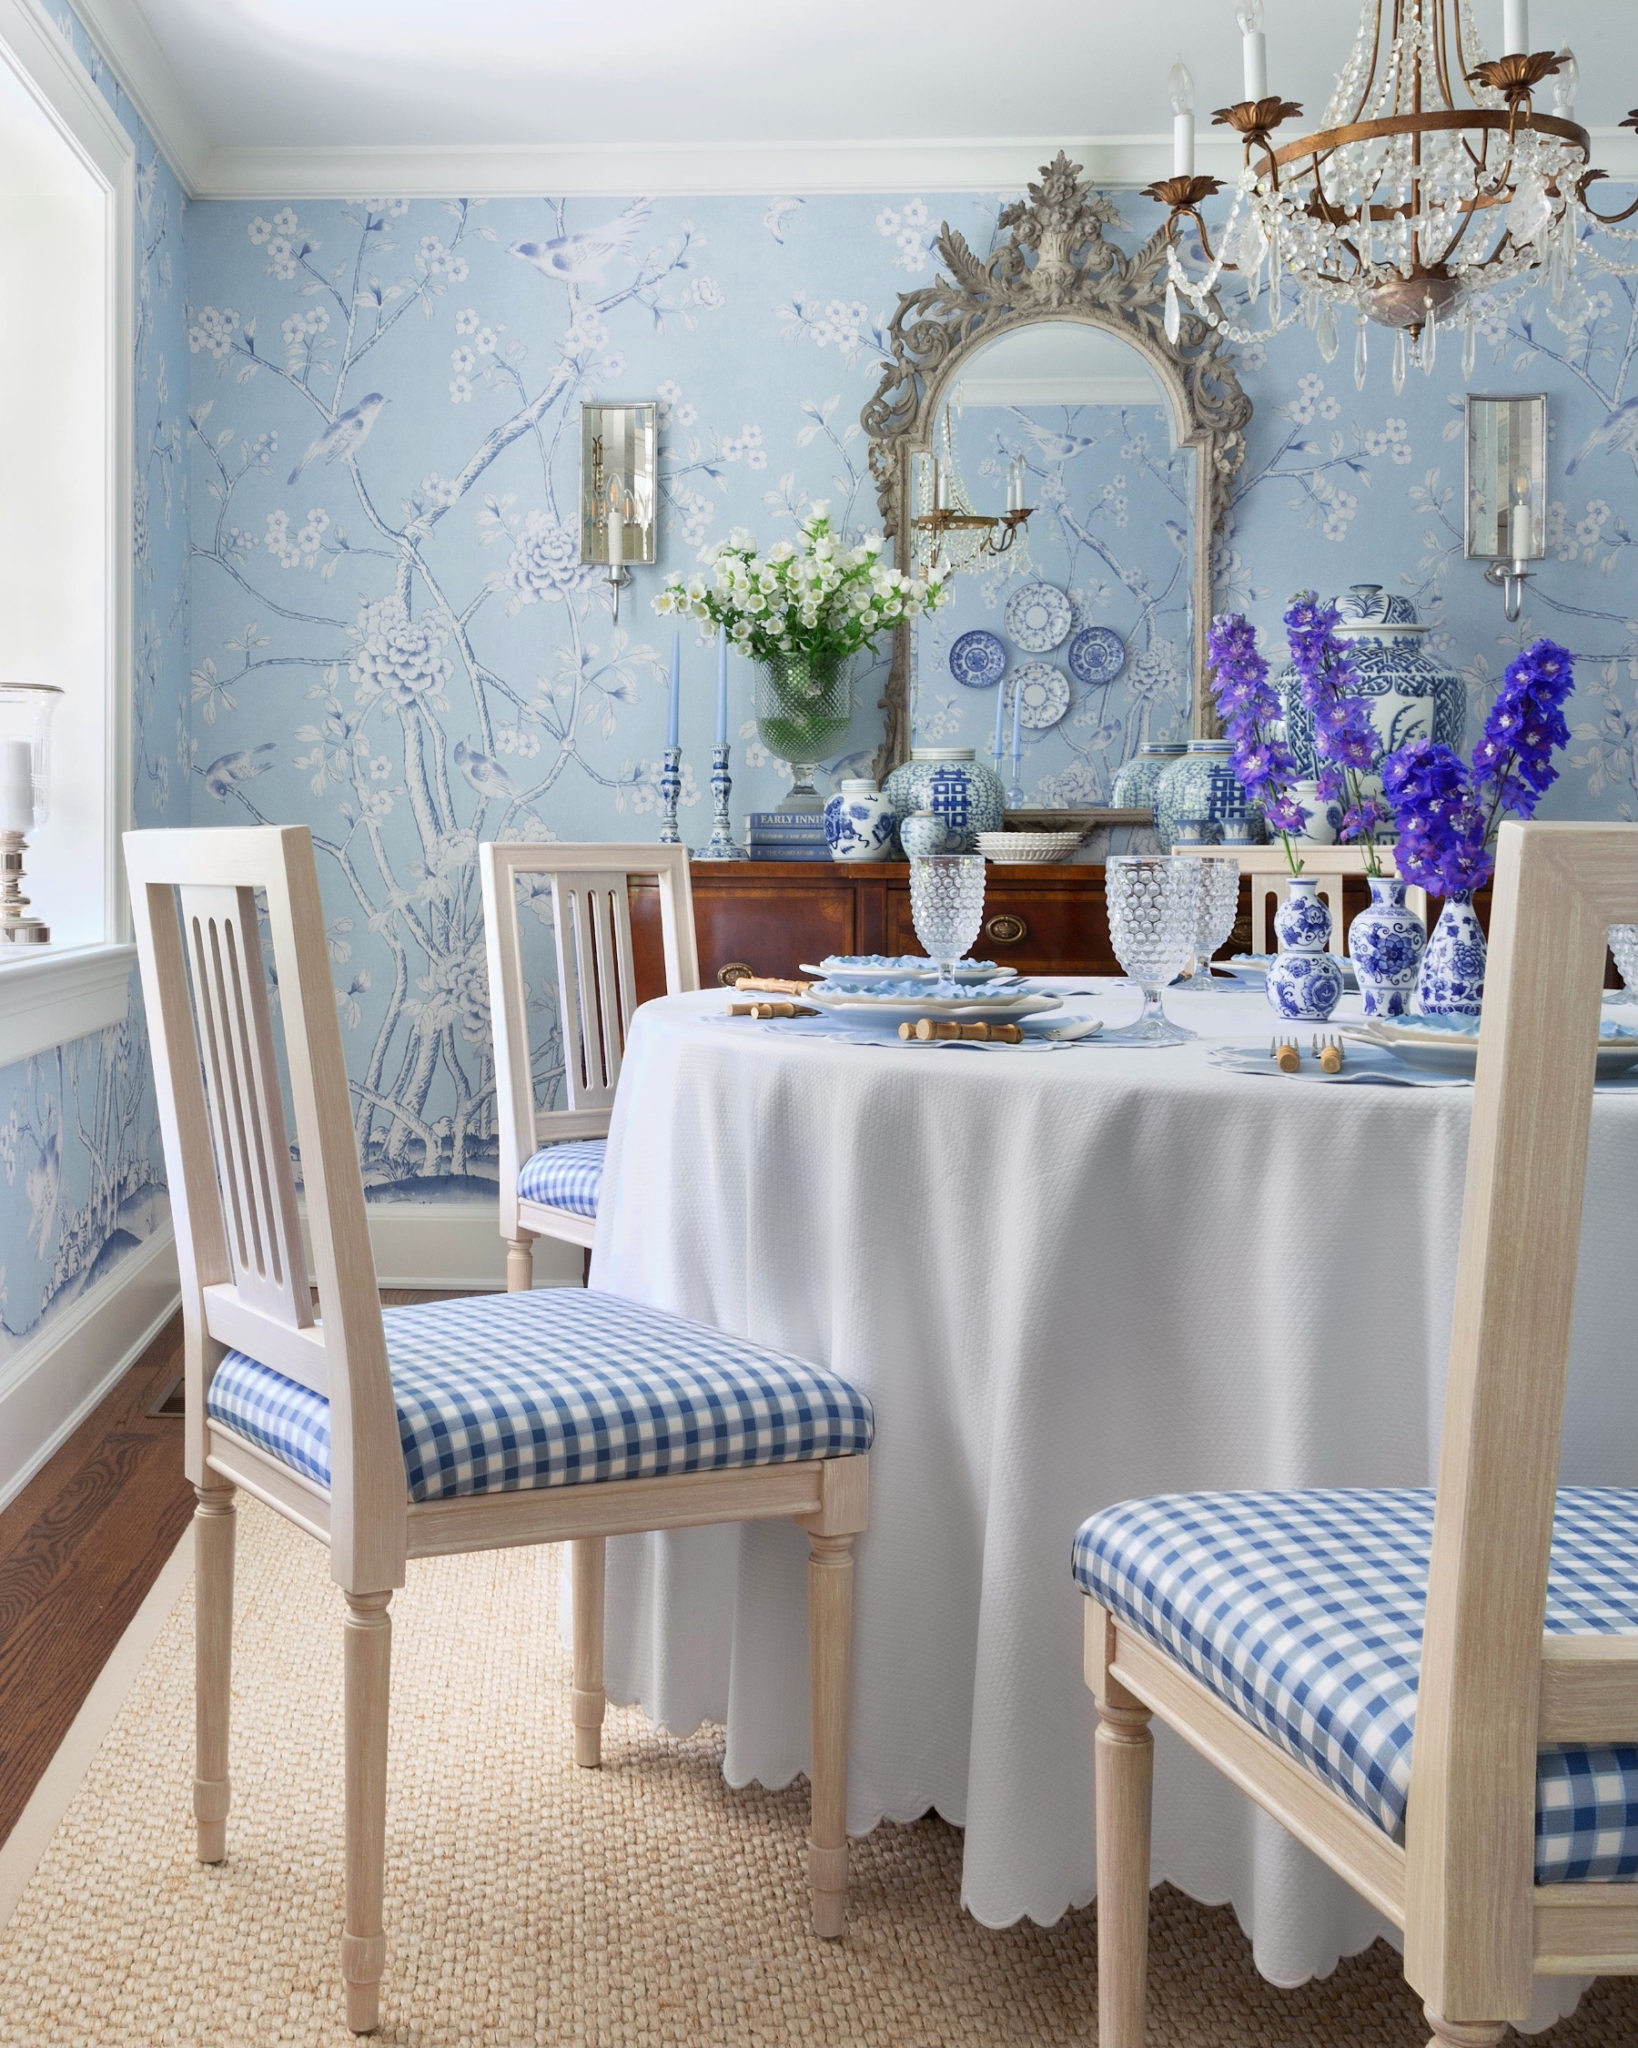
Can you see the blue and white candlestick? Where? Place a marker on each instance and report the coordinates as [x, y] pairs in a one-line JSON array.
[[721, 845], [670, 796]]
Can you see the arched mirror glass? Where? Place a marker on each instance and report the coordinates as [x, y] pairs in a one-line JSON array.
[[1090, 602]]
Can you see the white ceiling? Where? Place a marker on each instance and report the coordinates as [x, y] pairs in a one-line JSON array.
[[786, 82]]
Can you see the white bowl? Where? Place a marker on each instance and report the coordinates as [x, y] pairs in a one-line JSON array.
[[1019, 849]]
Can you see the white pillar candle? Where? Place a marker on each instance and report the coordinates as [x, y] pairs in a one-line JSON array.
[[1518, 525], [1181, 87], [1515, 28], [16, 786], [617, 538], [1253, 48]]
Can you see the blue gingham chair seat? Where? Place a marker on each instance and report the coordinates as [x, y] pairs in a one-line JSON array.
[[566, 1176], [560, 1386], [1303, 1611]]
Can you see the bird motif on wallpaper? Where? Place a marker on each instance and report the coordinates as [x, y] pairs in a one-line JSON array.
[[582, 258], [1056, 446], [1618, 434], [228, 770], [775, 217], [345, 434], [486, 776]]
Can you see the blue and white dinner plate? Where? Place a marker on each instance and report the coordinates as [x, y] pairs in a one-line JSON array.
[[1450, 1045], [1044, 694], [1039, 617], [900, 967], [978, 659], [1097, 654], [884, 1005]]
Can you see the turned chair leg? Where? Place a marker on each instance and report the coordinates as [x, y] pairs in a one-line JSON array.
[[367, 1642], [1463, 2033], [213, 1520], [830, 1645], [586, 1698], [1124, 1758], [520, 1265]]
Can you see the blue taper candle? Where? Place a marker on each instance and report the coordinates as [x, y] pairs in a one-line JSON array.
[[722, 686], [1000, 721], [673, 723]]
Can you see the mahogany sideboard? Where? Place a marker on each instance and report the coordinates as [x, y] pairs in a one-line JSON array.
[[768, 916]]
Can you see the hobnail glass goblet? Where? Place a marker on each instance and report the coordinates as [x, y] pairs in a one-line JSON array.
[[947, 904], [1219, 907], [1624, 945], [1153, 904]]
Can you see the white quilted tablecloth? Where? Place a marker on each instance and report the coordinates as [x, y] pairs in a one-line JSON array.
[[1063, 1279]]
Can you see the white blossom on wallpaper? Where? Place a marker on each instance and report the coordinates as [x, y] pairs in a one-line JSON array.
[[394, 640]]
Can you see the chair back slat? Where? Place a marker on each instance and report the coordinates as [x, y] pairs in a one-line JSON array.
[[197, 901], [244, 1101], [1470, 1834], [596, 982]]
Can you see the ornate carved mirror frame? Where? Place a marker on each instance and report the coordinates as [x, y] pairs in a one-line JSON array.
[[1053, 264]]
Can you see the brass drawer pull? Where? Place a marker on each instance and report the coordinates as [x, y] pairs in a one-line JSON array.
[[729, 976], [1006, 928]]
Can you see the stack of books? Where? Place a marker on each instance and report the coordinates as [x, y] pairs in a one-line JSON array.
[[788, 835]]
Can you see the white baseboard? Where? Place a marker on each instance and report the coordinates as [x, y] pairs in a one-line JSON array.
[[49, 1385]]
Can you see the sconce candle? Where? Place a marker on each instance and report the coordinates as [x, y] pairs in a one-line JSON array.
[[722, 686]]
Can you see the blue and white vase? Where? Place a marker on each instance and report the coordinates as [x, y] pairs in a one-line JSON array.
[[859, 821], [1203, 785], [1386, 942], [1304, 982], [922, 833], [966, 794], [1451, 981], [1134, 785], [1322, 821], [1411, 695]]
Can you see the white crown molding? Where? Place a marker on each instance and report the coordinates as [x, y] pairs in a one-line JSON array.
[[1004, 164], [120, 31]]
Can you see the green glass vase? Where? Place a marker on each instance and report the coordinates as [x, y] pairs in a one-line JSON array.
[[804, 705]]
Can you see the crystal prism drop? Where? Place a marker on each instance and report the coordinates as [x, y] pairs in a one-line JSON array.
[[1428, 347], [1174, 314], [1400, 355], [1359, 354], [1325, 331], [1470, 345]]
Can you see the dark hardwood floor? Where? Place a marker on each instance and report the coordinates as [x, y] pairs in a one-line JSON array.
[[80, 1547]]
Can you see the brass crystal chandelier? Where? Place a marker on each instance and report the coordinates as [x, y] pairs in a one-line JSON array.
[[1431, 180]]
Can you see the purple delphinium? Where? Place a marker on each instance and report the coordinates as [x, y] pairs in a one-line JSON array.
[[1346, 748], [1446, 810], [1250, 710]]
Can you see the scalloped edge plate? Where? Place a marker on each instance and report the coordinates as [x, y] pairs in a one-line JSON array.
[[996, 667], [1054, 687], [1094, 673], [1038, 639]]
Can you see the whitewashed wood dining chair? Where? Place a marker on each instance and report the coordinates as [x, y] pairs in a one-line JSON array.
[[551, 1160], [1300, 1641], [1270, 874], [452, 1426]]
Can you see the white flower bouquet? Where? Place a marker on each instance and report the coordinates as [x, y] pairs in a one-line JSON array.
[[815, 597]]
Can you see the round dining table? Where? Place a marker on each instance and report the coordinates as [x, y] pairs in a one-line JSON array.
[[1065, 1275]]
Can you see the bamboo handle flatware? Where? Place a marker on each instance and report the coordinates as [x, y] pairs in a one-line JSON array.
[[926, 1029]]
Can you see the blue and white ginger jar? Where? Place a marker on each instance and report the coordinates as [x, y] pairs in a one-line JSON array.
[[1410, 693], [922, 833], [1386, 943], [1203, 785], [1451, 981], [966, 794], [1304, 982], [1134, 785], [859, 821]]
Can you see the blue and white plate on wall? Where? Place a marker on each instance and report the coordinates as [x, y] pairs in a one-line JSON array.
[[1044, 694], [979, 659], [1097, 654], [1039, 617]]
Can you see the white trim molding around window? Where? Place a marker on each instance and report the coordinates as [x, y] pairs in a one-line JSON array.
[[68, 197]]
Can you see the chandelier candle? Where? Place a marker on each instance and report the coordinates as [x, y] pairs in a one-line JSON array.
[[1181, 87], [1254, 47]]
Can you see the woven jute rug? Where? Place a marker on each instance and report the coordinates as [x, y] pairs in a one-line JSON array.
[[529, 1902]]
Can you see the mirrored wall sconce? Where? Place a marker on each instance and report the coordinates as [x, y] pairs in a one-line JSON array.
[[1507, 490], [618, 497], [25, 732]]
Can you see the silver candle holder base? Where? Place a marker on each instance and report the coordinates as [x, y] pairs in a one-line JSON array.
[[721, 845], [17, 926], [670, 796]]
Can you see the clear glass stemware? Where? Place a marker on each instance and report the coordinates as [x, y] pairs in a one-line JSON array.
[[1624, 945], [1219, 907], [1153, 902], [947, 904]]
